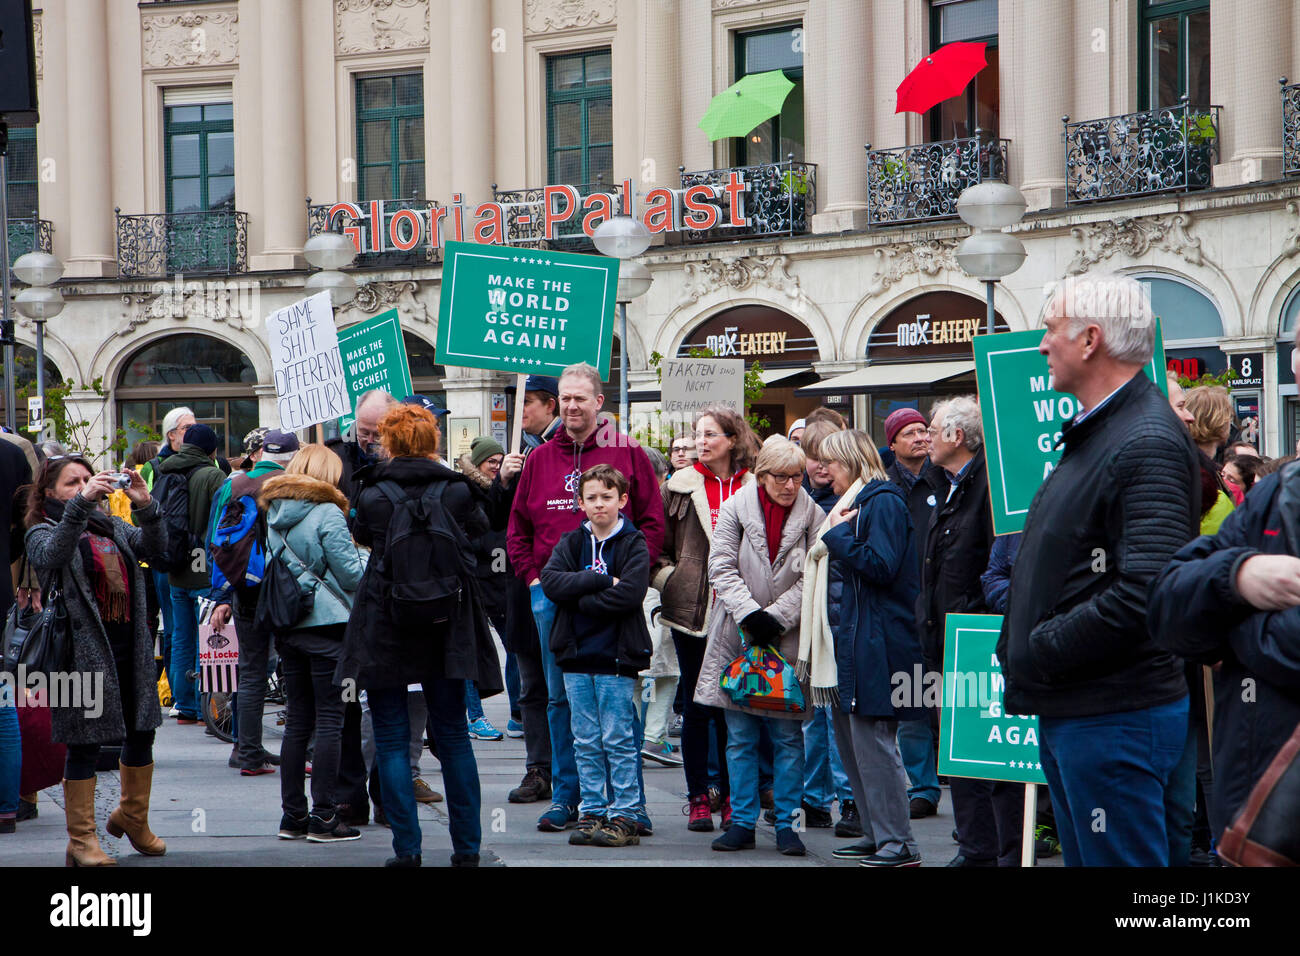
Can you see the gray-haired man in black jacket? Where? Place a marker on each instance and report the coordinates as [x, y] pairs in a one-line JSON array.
[[1075, 647]]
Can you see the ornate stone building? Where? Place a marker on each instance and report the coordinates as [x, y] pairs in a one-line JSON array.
[[179, 143]]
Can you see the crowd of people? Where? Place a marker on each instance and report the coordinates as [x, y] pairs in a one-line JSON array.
[[626, 588]]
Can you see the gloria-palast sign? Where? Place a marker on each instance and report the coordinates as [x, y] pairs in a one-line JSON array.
[[524, 310]]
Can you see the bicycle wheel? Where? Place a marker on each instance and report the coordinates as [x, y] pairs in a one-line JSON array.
[[217, 714]]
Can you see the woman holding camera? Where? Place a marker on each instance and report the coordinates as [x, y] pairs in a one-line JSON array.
[[93, 560]]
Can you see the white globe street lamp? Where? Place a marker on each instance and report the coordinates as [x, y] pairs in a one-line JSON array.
[[989, 254], [625, 238], [38, 302], [331, 252]]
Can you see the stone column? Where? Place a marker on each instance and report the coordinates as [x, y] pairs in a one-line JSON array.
[[696, 69], [1261, 41], [841, 175], [469, 55], [92, 247], [1040, 50], [660, 96], [284, 227]]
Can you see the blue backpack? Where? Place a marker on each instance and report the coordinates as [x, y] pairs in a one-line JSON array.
[[239, 538]]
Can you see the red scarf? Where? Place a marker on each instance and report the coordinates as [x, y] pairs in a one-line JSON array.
[[109, 574], [774, 516], [718, 490]]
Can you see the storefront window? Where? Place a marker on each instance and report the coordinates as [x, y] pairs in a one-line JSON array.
[[25, 381], [212, 377], [426, 374], [967, 21], [1190, 326], [760, 52]]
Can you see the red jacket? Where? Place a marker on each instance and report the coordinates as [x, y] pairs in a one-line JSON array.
[[546, 502]]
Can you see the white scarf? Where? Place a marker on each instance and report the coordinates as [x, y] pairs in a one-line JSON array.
[[816, 642]]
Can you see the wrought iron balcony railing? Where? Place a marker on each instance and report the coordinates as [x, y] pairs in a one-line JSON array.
[[1175, 147], [190, 243], [1290, 128], [424, 253], [780, 199], [525, 220], [914, 183], [30, 235]]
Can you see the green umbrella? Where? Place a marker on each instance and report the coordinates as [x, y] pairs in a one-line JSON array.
[[743, 105]]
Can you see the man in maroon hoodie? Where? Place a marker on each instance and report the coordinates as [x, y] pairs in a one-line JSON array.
[[546, 507]]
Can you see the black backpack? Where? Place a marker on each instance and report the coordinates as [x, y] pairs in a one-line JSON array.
[[424, 566], [172, 492]]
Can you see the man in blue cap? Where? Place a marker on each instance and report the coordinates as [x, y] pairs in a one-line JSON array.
[[429, 405]]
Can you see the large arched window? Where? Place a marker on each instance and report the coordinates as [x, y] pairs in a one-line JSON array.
[[25, 382], [426, 373], [212, 377]]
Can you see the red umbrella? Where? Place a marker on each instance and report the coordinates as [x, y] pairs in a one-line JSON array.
[[941, 75]]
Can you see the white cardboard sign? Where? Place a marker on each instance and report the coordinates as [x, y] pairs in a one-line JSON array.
[[309, 382], [689, 385]]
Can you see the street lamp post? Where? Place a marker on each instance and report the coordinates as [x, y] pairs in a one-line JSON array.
[[989, 253], [39, 302], [331, 252], [624, 238]]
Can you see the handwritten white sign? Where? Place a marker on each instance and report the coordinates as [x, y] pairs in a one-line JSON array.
[[309, 382], [689, 385]]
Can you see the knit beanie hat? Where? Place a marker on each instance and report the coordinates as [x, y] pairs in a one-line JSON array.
[[203, 437], [899, 420], [483, 448]]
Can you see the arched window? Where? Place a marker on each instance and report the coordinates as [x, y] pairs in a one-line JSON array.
[[212, 377], [426, 373]]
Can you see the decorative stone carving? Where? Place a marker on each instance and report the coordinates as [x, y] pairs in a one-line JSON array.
[[548, 16], [728, 4], [402, 295], [739, 273], [1291, 245], [234, 302], [1134, 237], [376, 26], [193, 38], [928, 257], [38, 42]]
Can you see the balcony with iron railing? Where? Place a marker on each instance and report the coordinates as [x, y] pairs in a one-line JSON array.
[[922, 182], [1290, 127], [213, 242], [424, 253], [526, 223], [1172, 148], [779, 199], [30, 235]]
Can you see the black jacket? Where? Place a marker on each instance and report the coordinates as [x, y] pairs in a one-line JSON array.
[[956, 552], [1197, 612], [920, 501], [599, 627], [1124, 497], [376, 653], [353, 460]]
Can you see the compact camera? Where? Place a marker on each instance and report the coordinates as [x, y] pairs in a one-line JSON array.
[[122, 480]]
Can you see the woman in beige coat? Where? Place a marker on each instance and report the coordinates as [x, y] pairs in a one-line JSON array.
[[756, 565]]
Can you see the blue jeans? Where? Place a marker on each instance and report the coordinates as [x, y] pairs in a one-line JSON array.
[[164, 591], [824, 778], [1180, 801], [742, 767], [564, 768], [185, 649], [512, 685], [604, 717], [11, 751], [445, 700], [1108, 775], [916, 747], [473, 703]]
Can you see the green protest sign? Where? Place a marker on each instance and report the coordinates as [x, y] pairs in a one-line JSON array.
[[1022, 418], [525, 310], [374, 356], [976, 739]]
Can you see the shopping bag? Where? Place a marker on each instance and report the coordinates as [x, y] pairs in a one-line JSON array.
[[761, 679], [218, 657], [42, 758]]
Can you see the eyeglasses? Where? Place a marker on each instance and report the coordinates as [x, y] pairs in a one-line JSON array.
[[785, 479], [494, 460], [708, 435]]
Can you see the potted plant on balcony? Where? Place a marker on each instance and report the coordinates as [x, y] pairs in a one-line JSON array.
[[1202, 140]]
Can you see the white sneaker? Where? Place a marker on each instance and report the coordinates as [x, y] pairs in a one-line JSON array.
[[173, 712]]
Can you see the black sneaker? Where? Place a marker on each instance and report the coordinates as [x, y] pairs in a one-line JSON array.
[[403, 861], [816, 818], [789, 844], [233, 762], [330, 830], [854, 851], [736, 838], [961, 860], [534, 788], [291, 829], [355, 816], [463, 859], [881, 860], [26, 811], [850, 823], [587, 826], [272, 759], [919, 807]]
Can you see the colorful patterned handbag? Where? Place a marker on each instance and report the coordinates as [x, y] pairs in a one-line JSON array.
[[762, 679]]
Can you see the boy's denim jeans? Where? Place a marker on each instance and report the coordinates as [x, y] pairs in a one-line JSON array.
[[564, 770], [11, 751], [445, 700], [824, 778], [742, 767], [604, 731]]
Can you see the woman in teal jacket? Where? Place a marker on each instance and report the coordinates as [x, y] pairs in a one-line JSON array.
[[307, 530]]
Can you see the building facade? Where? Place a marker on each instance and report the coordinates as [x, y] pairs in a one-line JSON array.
[[186, 151]]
